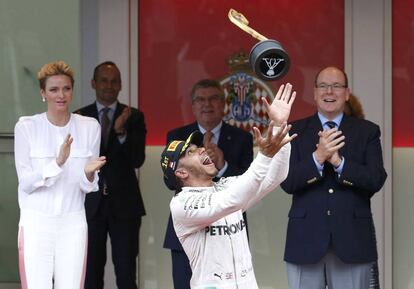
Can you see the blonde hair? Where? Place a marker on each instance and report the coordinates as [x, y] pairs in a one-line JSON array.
[[52, 69]]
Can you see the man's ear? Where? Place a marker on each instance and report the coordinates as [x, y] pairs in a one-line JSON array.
[[181, 173]]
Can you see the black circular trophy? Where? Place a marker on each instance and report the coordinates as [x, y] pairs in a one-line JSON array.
[[268, 58]]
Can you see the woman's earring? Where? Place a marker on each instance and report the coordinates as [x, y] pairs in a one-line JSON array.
[[43, 99]]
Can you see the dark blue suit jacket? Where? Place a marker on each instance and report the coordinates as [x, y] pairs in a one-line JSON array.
[[237, 147], [119, 171], [332, 210]]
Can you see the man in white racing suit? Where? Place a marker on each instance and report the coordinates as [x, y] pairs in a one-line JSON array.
[[207, 215]]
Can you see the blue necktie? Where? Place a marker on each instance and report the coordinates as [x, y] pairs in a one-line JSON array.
[[330, 124]]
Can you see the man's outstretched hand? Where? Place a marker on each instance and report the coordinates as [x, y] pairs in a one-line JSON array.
[[269, 145], [279, 110]]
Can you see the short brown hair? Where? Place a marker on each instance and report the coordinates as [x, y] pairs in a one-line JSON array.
[[205, 83], [52, 69]]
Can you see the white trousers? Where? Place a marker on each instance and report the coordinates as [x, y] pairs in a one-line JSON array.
[[330, 272], [52, 250]]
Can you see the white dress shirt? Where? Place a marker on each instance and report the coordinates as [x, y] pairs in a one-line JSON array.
[[43, 185]]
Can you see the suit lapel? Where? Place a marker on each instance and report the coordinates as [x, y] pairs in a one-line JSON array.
[[225, 136], [315, 123], [191, 128], [348, 131], [91, 111], [310, 136], [118, 111], [94, 111]]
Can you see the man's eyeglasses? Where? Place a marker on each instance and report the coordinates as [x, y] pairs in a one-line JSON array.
[[335, 86], [204, 99]]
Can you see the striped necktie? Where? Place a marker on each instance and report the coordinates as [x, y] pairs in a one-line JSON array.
[[208, 137], [105, 126]]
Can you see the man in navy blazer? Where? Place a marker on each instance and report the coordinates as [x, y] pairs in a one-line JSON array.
[[116, 209], [336, 166], [229, 147]]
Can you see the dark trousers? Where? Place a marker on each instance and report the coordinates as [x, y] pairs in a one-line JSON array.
[[124, 235], [181, 269]]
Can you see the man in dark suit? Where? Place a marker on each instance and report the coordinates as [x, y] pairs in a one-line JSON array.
[[336, 166], [230, 148], [116, 209]]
